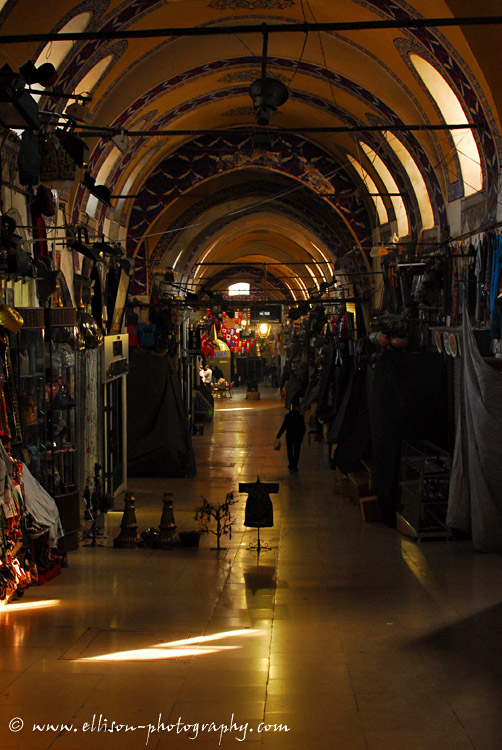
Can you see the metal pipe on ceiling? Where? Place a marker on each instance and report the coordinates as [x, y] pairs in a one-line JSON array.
[[301, 28], [96, 131], [269, 263]]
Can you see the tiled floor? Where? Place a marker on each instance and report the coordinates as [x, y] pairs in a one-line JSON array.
[[346, 633]]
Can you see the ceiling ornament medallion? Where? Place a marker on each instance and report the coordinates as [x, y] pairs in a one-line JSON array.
[[239, 112], [246, 76], [308, 174], [250, 4]]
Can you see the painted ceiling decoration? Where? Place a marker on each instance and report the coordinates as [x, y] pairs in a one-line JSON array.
[[193, 176]]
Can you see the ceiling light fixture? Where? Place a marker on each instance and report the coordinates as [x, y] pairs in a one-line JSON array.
[[101, 192], [267, 93], [121, 140], [46, 74], [78, 111], [18, 110], [74, 146]]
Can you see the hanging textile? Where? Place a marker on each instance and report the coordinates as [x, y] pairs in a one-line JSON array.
[[92, 416], [475, 497], [353, 439], [407, 400], [158, 438]]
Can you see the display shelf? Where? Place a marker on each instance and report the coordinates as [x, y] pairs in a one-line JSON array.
[[424, 483], [27, 351]]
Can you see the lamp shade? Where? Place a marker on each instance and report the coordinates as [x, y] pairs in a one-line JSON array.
[[264, 330], [74, 146], [121, 140], [101, 192], [78, 111], [267, 94], [18, 109], [45, 74]]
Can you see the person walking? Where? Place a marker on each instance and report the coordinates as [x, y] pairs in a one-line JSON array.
[[207, 378], [294, 426]]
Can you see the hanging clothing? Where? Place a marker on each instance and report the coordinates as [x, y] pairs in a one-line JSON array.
[[133, 331], [495, 284], [41, 506], [146, 333], [6, 483], [259, 511]]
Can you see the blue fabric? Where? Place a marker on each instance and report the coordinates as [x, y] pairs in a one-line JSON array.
[[496, 268], [146, 333]]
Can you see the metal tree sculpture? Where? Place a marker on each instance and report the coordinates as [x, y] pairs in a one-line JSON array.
[[208, 513]]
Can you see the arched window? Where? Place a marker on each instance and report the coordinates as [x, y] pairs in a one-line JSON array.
[[241, 289], [403, 226], [383, 217], [416, 179], [88, 82], [55, 52], [453, 113]]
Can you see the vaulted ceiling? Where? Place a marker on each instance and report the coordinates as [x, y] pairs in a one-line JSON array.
[[358, 153]]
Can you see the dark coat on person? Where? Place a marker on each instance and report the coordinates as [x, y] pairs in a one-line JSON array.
[[293, 425]]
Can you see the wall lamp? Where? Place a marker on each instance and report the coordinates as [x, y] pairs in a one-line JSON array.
[[18, 110], [264, 330], [74, 146], [101, 192], [46, 74]]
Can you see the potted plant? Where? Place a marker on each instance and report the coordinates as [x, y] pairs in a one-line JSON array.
[[216, 518]]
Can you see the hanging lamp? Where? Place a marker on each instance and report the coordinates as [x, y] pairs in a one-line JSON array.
[[267, 93]]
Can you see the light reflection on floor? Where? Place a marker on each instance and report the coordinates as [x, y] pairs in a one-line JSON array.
[[177, 648]]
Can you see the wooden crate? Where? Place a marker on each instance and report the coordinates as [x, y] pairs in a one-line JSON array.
[[370, 508], [359, 484]]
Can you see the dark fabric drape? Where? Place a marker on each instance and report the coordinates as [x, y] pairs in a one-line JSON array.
[[408, 400], [353, 438], [312, 393], [325, 379], [158, 438], [475, 497], [341, 390]]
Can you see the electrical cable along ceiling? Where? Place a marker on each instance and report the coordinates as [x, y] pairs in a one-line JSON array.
[[269, 141]]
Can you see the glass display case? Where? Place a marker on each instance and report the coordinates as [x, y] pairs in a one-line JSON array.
[[28, 363], [424, 482], [62, 427]]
